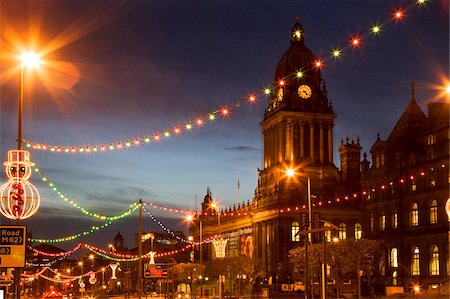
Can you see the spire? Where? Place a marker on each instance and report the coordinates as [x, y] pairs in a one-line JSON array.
[[412, 99], [297, 32]]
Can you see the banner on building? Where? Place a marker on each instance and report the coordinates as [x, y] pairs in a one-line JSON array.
[[220, 245]]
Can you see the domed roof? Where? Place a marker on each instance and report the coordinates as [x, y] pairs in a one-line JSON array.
[[410, 124], [297, 56]]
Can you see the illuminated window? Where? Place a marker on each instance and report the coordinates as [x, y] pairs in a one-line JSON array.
[[295, 229], [415, 261], [372, 223], [413, 186], [358, 231], [394, 278], [327, 232], [394, 257], [382, 222], [433, 212], [434, 264], [342, 231], [431, 139], [414, 215], [395, 219], [382, 159]]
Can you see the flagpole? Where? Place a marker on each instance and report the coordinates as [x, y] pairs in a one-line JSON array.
[[237, 198]]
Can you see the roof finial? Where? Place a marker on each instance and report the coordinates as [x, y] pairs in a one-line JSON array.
[[297, 17], [412, 88]]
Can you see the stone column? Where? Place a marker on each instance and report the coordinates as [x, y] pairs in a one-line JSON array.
[[312, 155], [330, 142], [321, 142], [289, 157], [302, 139], [269, 245], [264, 246]]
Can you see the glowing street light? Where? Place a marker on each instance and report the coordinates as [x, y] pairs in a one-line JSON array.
[[290, 172], [19, 199], [27, 60]]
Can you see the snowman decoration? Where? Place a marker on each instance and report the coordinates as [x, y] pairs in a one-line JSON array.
[[19, 199]]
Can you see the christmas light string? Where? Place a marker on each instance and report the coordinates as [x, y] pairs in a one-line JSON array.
[[74, 236], [236, 213], [67, 278], [133, 207], [132, 258], [353, 42], [208, 240], [103, 254], [35, 274], [69, 252], [135, 142]]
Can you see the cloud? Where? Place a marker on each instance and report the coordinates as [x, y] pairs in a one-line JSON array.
[[239, 148]]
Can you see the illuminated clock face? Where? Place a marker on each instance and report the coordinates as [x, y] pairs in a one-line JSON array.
[[280, 94], [304, 91]]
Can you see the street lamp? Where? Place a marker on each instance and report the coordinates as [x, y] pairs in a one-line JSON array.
[[19, 198], [27, 60], [290, 172]]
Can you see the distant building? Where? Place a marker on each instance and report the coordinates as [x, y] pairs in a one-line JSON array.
[[407, 190]]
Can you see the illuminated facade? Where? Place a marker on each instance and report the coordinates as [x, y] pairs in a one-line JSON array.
[[409, 188], [297, 130]]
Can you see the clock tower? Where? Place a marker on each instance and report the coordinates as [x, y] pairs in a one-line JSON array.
[[298, 127]]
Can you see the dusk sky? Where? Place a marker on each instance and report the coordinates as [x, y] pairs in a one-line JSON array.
[[116, 70]]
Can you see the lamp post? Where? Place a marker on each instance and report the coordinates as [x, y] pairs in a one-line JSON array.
[[29, 60], [290, 172]]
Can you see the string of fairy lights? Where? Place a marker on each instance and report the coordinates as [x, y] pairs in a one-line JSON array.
[[389, 184], [133, 207], [58, 276], [166, 134], [208, 240], [73, 236], [353, 42]]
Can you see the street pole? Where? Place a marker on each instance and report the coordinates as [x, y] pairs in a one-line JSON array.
[[140, 251], [307, 239], [20, 108], [324, 266], [201, 251]]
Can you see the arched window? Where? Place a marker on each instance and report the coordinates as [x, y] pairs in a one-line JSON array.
[[394, 278], [394, 219], [394, 257], [327, 232], [358, 231], [342, 231], [295, 229], [434, 263], [433, 212], [414, 215], [415, 261]]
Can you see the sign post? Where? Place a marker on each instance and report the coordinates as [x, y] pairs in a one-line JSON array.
[[12, 246]]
